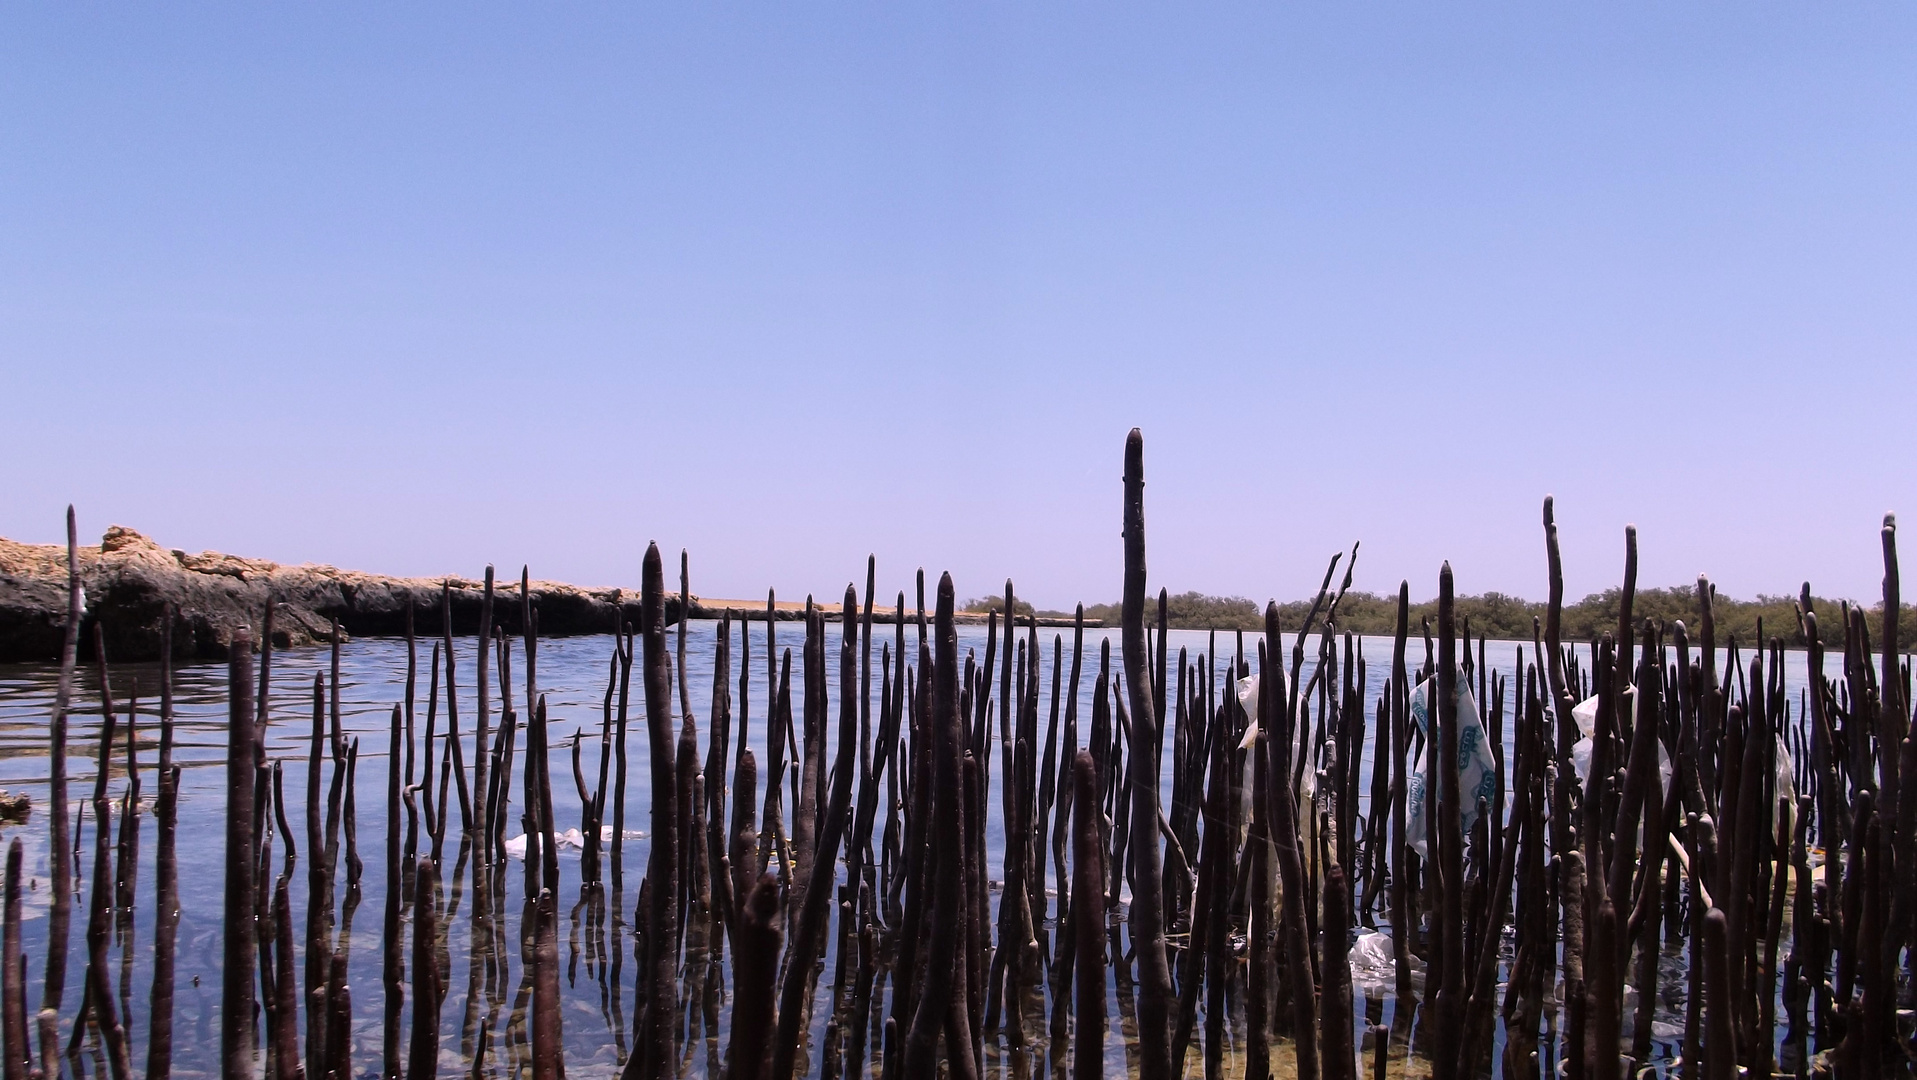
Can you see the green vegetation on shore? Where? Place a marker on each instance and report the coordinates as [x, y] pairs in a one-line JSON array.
[[1502, 617]]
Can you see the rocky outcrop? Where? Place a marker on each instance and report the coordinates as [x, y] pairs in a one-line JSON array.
[[130, 583]]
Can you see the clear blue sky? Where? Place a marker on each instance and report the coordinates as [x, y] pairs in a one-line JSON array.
[[411, 288]]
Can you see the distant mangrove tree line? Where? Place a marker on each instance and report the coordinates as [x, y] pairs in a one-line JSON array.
[[1497, 615]]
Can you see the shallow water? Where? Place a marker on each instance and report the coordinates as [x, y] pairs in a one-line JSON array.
[[484, 986]]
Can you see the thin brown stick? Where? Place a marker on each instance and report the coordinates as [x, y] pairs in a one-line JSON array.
[[237, 1038], [1450, 856], [660, 1050], [13, 990], [805, 949], [60, 911], [548, 1046], [1272, 708], [285, 1035], [318, 898], [453, 744], [1720, 1052], [166, 885], [422, 1061], [1088, 921], [482, 719], [755, 973], [392, 970], [1146, 917], [339, 1018], [946, 828]]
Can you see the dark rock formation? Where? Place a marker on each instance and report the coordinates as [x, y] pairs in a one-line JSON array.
[[130, 582]]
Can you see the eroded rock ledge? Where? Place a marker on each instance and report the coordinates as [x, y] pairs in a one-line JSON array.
[[131, 581]]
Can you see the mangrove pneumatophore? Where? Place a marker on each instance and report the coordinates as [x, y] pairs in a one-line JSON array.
[[1633, 851]]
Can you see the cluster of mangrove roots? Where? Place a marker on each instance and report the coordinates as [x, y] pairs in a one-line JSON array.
[[1655, 795]]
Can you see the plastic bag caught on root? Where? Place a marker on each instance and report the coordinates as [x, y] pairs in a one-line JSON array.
[[1477, 770]]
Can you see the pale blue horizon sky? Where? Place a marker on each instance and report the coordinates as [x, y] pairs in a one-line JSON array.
[[415, 288]]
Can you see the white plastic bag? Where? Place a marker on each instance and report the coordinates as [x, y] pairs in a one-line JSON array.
[[1374, 970], [1477, 770], [569, 840], [1585, 713], [1248, 701]]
